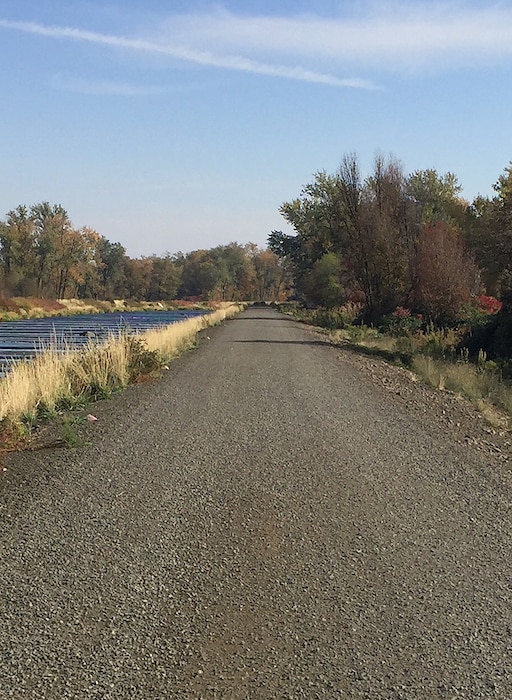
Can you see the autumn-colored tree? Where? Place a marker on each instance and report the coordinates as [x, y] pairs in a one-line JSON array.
[[41, 253], [446, 277], [71, 261], [270, 277], [88, 275]]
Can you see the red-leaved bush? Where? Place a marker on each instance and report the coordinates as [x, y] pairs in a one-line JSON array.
[[489, 305], [401, 312]]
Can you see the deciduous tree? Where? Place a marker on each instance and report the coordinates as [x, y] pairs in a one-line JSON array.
[[446, 277]]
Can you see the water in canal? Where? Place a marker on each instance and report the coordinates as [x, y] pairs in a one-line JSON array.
[[24, 338]]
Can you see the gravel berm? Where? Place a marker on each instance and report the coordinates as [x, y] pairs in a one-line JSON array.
[[273, 518]]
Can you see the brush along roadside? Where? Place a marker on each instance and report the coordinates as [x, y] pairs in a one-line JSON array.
[[434, 359], [62, 378]]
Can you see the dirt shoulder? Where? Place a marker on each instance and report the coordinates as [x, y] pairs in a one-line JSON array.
[[441, 407]]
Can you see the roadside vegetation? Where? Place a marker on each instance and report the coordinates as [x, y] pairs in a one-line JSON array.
[[439, 357], [17, 308], [401, 266], [60, 378]]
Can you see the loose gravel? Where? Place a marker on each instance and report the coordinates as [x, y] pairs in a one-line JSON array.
[[274, 518]]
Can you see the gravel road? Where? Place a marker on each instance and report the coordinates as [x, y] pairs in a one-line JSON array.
[[273, 518]]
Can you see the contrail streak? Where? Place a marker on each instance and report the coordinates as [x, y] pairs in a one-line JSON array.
[[204, 58]]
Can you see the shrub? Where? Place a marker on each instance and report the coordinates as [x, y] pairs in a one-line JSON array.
[[327, 318], [401, 322], [445, 274], [489, 305], [351, 311], [141, 360], [7, 304], [441, 343]]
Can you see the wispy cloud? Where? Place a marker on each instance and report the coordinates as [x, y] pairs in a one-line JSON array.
[[386, 35], [197, 56], [381, 37]]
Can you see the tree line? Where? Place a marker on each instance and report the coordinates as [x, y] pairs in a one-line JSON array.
[[386, 241], [393, 240], [42, 254]]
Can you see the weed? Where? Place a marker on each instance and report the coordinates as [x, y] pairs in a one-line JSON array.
[[433, 356], [12, 435], [142, 361], [69, 433]]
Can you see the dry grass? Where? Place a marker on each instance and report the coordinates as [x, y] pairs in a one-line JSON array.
[[41, 382], [63, 376], [83, 306], [172, 340], [432, 357], [482, 386], [430, 371]]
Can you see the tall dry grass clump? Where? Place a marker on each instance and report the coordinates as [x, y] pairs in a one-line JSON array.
[[61, 376], [480, 383], [42, 381]]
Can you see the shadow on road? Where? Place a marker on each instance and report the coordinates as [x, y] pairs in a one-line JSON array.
[[285, 342], [266, 318]]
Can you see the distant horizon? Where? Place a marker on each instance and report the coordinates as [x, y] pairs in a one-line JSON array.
[[171, 130]]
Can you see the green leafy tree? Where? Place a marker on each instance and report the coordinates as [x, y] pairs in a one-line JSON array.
[[52, 229], [437, 197], [323, 282], [112, 269], [489, 233], [364, 224], [165, 279], [236, 273], [137, 277], [381, 255], [18, 256], [200, 275]]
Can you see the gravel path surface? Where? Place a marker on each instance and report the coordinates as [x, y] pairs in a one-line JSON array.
[[274, 518]]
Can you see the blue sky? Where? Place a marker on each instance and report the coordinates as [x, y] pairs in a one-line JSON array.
[[171, 125]]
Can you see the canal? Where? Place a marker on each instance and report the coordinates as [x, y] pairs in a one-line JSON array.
[[23, 339]]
